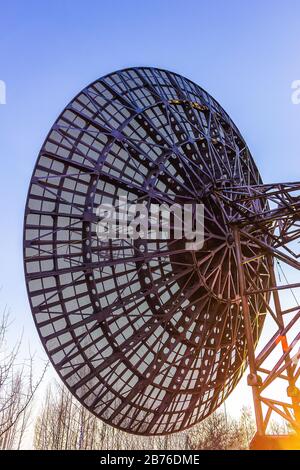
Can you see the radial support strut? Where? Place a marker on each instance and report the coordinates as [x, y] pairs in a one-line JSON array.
[[253, 378]]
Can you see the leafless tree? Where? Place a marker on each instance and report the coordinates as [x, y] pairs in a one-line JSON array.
[[219, 432], [64, 424], [280, 428], [17, 388]]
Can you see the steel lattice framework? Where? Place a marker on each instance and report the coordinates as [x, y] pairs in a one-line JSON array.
[[148, 336], [274, 371]]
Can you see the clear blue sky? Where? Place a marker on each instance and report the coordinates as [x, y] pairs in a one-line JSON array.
[[245, 53]]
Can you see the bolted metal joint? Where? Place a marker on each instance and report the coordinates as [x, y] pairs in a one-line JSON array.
[[254, 380], [293, 392]]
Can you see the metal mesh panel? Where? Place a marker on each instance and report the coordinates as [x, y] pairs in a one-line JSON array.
[[149, 337]]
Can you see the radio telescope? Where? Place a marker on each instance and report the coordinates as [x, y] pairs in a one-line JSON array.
[[149, 336]]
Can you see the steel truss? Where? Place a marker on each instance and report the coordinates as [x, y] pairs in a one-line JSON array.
[[268, 216]]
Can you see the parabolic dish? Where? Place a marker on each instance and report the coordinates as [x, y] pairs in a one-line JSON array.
[[148, 336]]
